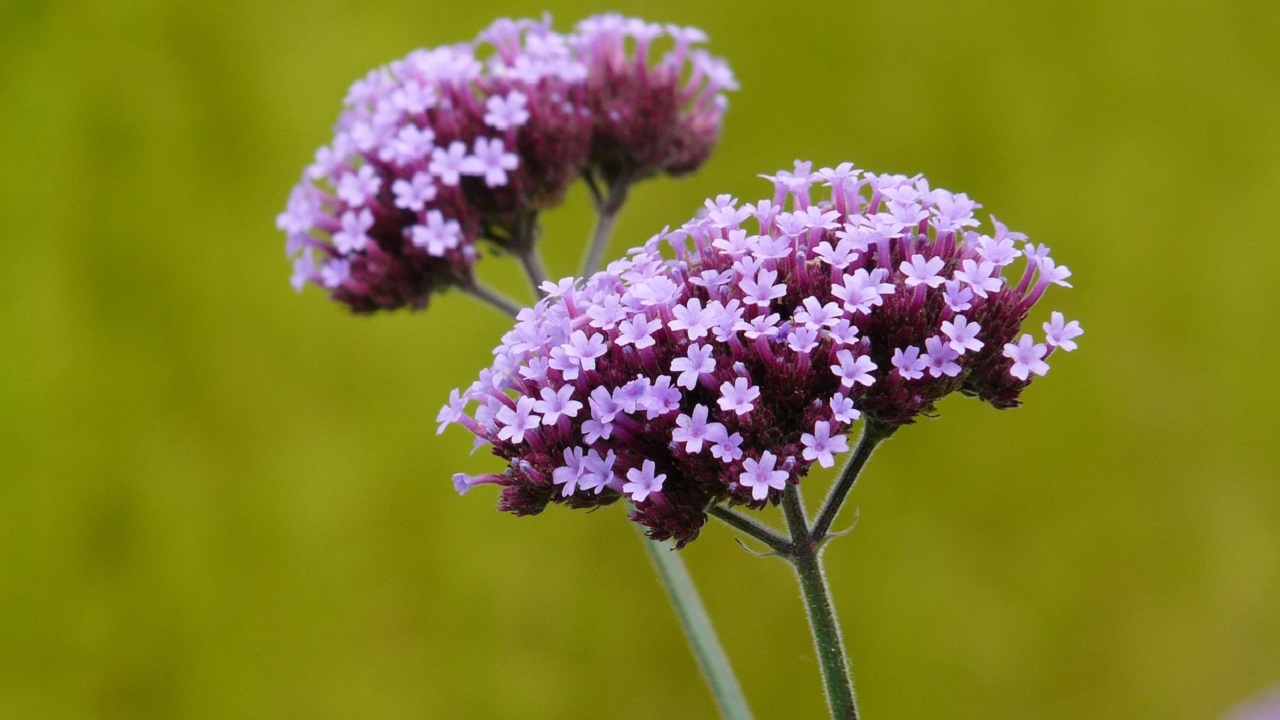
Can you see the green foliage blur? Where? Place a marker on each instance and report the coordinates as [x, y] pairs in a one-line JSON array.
[[219, 499]]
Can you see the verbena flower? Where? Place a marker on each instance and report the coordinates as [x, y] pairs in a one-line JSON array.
[[653, 113], [723, 373], [459, 143]]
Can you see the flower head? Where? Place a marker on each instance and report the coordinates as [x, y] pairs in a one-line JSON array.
[[717, 367], [453, 145], [433, 151]]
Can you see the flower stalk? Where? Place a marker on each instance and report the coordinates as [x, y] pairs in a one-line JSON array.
[[803, 550], [672, 572], [697, 628], [607, 207], [531, 261], [491, 298], [778, 544], [873, 433], [806, 558]]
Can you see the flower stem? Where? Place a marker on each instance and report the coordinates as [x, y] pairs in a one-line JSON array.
[[697, 628], [606, 213], [491, 298], [523, 243], [776, 542], [533, 268], [872, 434], [806, 558]]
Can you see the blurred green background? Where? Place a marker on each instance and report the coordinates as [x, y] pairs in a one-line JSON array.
[[222, 500]]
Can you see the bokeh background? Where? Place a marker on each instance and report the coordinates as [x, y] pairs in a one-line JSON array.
[[219, 499]]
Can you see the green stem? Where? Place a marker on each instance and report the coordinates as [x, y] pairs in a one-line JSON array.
[[697, 628], [491, 298], [872, 434], [806, 557], [693, 616], [607, 212], [675, 577], [524, 245], [533, 268], [776, 542]]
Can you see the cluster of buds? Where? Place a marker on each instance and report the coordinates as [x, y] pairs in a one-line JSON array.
[[652, 115], [719, 361], [449, 146]]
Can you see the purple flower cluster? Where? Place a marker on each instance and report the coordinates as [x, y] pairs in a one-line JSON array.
[[723, 373], [466, 142]]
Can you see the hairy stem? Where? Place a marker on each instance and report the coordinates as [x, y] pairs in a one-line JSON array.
[[697, 628], [491, 298], [806, 558], [534, 269], [606, 213], [872, 434], [747, 525], [524, 245]]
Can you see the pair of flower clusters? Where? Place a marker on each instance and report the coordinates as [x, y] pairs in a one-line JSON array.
[[451, 145], [724, 373]]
